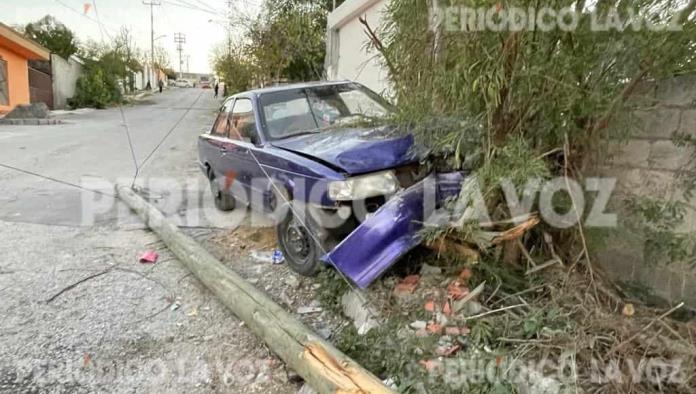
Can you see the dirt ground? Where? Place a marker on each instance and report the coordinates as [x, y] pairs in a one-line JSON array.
[[131, 328]]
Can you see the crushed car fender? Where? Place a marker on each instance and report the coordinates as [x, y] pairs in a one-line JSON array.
[[392, 231]]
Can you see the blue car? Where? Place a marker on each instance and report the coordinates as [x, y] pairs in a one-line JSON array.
[[343, 194]]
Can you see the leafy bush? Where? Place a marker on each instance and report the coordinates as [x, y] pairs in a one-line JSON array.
[[95, 89]]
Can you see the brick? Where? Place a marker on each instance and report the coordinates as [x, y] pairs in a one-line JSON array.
[[682, 282], [679, 90], [689, 224], [688, 122], [634, 153], [667, 155], [655, 184], [657, 123]]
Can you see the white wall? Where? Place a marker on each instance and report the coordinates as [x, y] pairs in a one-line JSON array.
[[347, 56], [65, 74]]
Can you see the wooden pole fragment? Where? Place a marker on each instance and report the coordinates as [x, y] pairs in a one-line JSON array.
[[323, 367]]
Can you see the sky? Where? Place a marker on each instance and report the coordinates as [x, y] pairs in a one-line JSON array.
[[190, 17]]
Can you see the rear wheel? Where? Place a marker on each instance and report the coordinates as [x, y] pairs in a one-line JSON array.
[[223, 201]]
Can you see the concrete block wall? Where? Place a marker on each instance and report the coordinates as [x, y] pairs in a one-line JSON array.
[[65, 74], [650, 165]]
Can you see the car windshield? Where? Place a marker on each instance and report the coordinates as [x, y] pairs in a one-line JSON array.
[[293, 112]]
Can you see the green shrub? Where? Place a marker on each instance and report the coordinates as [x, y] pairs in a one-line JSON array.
[[95, 88]]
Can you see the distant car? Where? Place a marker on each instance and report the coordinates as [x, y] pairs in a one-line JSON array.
[[204, 83], [182, 83], [299, 146]]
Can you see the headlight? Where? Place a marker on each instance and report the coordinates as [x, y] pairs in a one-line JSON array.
[[360, 187]]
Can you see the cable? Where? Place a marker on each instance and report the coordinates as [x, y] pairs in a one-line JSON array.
[[190, 7], [130, 144], [96, 13], [27, 172], [206, 5], [88, 17], [159, 144]]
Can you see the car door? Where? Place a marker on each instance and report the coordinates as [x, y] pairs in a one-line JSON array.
[[237, 151], [211, 144]]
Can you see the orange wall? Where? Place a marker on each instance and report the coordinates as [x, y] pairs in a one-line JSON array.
[[17, 79]]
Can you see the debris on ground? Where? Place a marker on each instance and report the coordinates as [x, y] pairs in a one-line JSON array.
[[262, 257], [149, 257], [303, 310], [356, 307], [407, 286], [457, 312], [29, 111]]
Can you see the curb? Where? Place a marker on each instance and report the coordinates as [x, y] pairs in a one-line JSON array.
[[29, 122]]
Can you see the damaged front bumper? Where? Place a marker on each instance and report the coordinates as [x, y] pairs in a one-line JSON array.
[[393, 230]]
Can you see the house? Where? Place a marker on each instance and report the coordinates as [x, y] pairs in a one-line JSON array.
[[347, 52], [15, 53]]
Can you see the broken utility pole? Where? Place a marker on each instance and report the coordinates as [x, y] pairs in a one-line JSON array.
[[324, 367]]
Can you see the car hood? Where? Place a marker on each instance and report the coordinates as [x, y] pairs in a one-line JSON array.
[[355, 150]]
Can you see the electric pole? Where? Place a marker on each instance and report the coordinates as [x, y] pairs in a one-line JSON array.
[[152, 4], [229, 28], [180, 39]]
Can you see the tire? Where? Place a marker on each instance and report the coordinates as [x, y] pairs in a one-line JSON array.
[[299, 247], [223, 201]]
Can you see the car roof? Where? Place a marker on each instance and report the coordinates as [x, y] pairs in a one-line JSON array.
[[280, 88]]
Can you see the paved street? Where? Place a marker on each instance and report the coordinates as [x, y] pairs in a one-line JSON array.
[[127, 327]]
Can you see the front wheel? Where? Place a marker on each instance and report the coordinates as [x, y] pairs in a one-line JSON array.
[[298, 246]]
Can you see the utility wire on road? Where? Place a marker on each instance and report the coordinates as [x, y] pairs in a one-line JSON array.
[[52, 179], [171, 130]]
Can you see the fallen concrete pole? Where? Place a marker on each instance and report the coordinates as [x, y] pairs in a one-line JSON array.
[[324, 367]]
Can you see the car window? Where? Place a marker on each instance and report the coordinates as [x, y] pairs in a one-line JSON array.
[[287, 113], [220, 127], [243, 122], [356, 103], [315, 109]]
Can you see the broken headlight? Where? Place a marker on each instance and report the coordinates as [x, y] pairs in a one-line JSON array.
[[361, 187]]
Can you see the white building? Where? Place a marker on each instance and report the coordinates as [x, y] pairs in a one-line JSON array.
[[347, 53]]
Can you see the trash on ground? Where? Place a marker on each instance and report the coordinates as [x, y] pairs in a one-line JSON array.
[[446, 351], [149, 257], [459, 304], [456, 290], [408, 285], [434, 328], [278, 257], [263, 257], [364, 316], [418, 324], [303, 310], [429, 306]]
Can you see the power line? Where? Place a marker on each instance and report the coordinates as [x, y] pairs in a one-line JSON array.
[[206, 5], [102, 27], [56, 180], [190, 7], [159, 144]]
